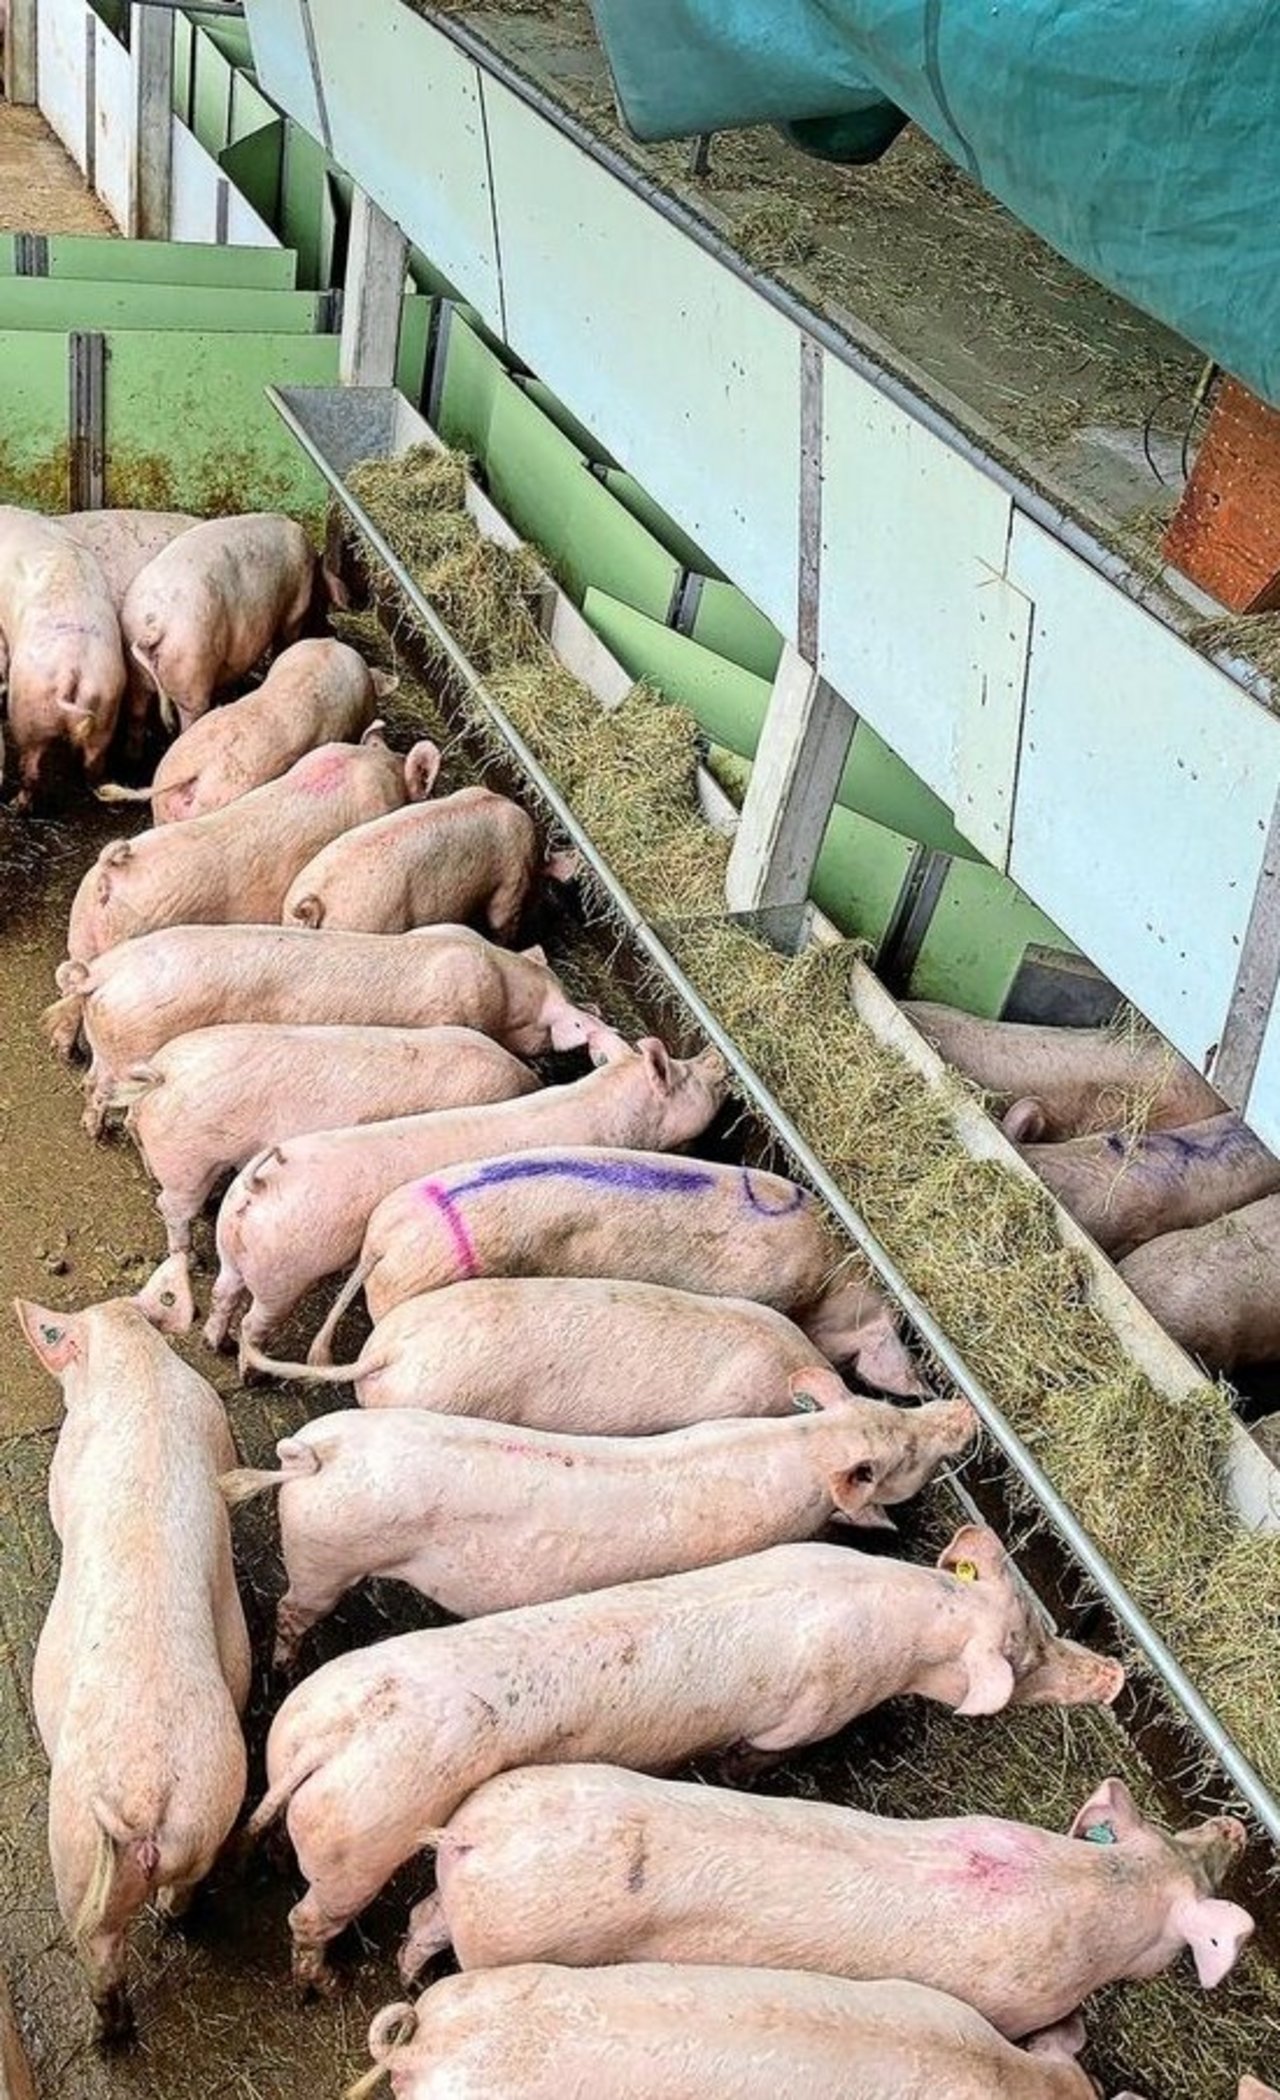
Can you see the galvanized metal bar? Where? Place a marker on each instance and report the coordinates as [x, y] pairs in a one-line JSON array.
[[912, 916], [221, 211], [87, 462], [686, 599], [809, 564], [151, 188], [1247, 1781], [31, 255], [1031, 501], [1254, 992], [372, 295], [20, 52]]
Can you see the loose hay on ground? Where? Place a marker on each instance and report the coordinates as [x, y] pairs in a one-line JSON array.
[[1144, 1473]]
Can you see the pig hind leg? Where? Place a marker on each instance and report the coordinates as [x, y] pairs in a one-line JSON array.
[[310, 1597], [428, 1935], [344, 1870], [179, 1207], [228, 1295]]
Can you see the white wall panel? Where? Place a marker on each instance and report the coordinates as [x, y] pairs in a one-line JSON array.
[[113, 123], [61, 54], [1145, 790], [681, 370], [195, 188], [244, 228]]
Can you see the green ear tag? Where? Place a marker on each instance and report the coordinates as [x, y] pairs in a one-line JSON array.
[[51, 1335], [1098, 1834], [804, 1404]]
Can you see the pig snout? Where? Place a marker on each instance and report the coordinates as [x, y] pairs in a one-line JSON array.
[[1070, 1675], [1214, 1846]]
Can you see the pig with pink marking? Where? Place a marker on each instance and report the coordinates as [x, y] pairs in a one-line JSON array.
[[692, 1224], [298, 1213], [380, 1747], [234, 865], [585, 1865], [482, 1521]]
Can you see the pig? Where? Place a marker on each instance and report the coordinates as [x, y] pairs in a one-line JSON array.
[[66, 671], [472, 856], [208, 1101], [599, 1211], [1251, 2089], [1127, 1192], [584, 1355], [380, 1747], [317, 692], [536, 1867], [298, 1212], [213, 602], [652, 2032], [137, 997], [1216, 1288], [1055, 1083], [142, 1669], [234, 865], [480, 1521], [122, 542]]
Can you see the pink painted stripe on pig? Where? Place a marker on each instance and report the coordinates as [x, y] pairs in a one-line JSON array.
[[631, 1177], [322, 773]]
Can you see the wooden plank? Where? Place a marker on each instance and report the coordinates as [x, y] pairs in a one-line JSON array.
[[803, 747], [152, 189]]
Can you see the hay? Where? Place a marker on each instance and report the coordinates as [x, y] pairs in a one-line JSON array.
[[1253, 636], [1144, 1473]]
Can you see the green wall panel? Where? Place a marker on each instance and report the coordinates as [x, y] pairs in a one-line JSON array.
[[543, 484], [306, 213], [211, 96], [77, 255], [189, 426], [729, 623], [655, 520], [33, 420], [861, 868], [976, 939], [229, 37], [563, 418], [7, 260], [471, 377], [250, 109], [184, 38], [411, 358], [46, 303], [253, 164], [730, 706]]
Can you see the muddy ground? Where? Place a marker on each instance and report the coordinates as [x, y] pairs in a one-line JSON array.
[[215, 2011]]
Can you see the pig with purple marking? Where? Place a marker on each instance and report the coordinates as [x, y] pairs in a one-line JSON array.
[[1125, 1191], [726, 1230], [587, 1864], [380, 1747]]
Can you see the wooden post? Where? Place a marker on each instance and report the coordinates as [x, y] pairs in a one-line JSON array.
[[20, 51], [16, 2081], [803, 746], [373, 294], [151, 189]]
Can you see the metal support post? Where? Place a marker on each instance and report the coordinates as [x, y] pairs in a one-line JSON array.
[[803, 746], [20, 51], [373, 295]]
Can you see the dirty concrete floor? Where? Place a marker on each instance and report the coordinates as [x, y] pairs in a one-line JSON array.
[[41, 189], [1079, 392]]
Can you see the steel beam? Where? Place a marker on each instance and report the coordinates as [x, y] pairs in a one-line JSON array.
[[151, 189], [803, 746]]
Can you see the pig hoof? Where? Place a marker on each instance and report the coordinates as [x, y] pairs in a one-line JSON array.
[[115, 2018], [313, 1977]]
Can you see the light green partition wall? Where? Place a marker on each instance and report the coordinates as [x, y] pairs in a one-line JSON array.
[[75, 255], [980, 928], [471, 376], [729, 623], [254, 163], [50, 304], [576, 432], [33, 420], [655, 520]]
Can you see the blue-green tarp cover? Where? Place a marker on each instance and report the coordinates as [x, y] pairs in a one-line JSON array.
[[1138, 137]]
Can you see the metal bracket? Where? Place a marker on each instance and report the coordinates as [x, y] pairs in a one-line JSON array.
[[912, 915], [87, 386], [31, 254], [685, 600]]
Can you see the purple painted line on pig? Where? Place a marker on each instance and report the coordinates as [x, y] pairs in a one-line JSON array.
[[792, 1202], [636, 1177], [441, 1200]]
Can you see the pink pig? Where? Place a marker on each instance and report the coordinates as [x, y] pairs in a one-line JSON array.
[[471, 856], [298, 1212], [317, 692], [582, 1864], [589, 1355], [482, 1521], [1127, 1192], [58, 628], [143, 1664], [213, 602], [234, 865], [122, 542], [207, 1101], [649, 2032], [140, 995], [593, 1211], [380, 1747]]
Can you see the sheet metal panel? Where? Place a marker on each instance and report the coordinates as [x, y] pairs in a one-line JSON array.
[[195, 189], [910, 533], [1262, 1110], [61, 51], [989, 728], [685, 374], [113, 123], [278, 32], [405, 119], [1145, 790]]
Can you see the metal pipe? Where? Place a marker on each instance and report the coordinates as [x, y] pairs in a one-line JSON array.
[[1248, 1783], [1031, 501]]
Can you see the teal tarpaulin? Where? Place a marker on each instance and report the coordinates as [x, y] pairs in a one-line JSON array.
[[1141, 140]]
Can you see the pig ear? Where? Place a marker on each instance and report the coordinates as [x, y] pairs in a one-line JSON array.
[[537, 954], [1109, 1814], [1063, 2041], [54, 1336], [990, 1676], [657, 1061], [1025, 1122], [975, 1554], [384, 683], [374, 733], [1250, 2089], [818, 1387], [1215, 1932], [853, 1488], [420, 769], [165, 1299], [335, 590]]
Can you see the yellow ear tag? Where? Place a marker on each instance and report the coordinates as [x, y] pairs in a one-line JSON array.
[[965, 1571]]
